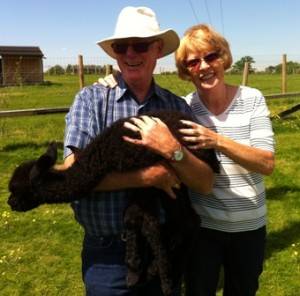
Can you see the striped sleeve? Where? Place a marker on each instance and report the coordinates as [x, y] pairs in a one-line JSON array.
[[261, 132]]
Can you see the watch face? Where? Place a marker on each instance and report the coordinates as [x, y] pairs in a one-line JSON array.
[[178, 155]]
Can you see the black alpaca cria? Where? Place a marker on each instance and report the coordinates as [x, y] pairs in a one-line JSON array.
[[152, 249]]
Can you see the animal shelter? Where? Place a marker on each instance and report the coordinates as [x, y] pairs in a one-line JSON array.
[[21, 65]]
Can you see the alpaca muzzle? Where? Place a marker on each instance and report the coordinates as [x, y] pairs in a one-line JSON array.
[[13, 203]]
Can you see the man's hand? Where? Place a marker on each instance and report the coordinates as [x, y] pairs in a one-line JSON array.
[[163, 177], [155, 135]]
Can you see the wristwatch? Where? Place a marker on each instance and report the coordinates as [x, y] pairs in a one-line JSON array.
[[177, 155]]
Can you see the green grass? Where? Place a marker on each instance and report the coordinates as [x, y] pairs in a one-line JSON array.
[[40, 250]]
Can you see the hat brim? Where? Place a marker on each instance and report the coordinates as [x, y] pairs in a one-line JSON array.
[[169, 37]]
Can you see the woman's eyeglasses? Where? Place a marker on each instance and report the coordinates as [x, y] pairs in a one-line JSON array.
[[139, 47], [209, 58]]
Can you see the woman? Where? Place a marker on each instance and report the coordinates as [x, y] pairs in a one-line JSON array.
[[235, 122]]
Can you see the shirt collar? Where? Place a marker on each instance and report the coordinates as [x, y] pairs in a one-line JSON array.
[[155, 90], [160, 93], [121, 87]]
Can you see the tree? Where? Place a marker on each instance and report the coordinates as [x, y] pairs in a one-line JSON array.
[[291, 68], [270, 69], [71, 69], [56, 70], [238, 67]]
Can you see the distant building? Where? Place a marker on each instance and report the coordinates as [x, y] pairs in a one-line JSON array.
[[20, 65]]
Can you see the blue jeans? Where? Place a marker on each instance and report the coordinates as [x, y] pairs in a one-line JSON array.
[[104, 270], [241, 254]]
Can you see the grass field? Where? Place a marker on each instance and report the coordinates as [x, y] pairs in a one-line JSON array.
[[40, 250]]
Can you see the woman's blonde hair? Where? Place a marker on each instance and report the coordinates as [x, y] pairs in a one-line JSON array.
[[200, 38]]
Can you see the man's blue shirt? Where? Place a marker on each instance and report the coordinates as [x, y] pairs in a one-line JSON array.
[[102, 213]]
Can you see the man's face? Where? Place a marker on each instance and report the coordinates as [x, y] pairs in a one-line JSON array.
[[137, 58]]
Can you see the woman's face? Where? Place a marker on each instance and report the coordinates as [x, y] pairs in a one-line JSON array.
[[206, 69]]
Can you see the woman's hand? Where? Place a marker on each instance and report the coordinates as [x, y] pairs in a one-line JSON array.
[[155, 135], [250, 158], [109, 80], [198, 136]]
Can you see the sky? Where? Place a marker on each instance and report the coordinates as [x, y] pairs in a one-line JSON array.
[[262, 29]]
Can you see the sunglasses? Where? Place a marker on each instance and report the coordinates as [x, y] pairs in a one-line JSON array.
[[139, 47], [209, 58]]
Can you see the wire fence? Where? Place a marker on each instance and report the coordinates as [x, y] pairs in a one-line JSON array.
[[261, 62], [29, 70], [96, 65], [25, 66]]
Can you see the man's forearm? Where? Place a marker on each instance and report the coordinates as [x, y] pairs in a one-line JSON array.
[[119, 181], [160, 175], [194, 173]]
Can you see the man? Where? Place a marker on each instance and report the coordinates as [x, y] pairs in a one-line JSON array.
[[136, 45]]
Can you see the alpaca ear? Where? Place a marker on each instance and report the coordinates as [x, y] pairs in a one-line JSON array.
[[44, 163], [48, 159], [51, 153]]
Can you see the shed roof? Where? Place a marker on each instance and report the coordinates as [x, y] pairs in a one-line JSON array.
[[21, 50]]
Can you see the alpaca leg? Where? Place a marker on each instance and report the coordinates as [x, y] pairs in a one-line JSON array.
[[151, 230], [133, 220], [132, 259]]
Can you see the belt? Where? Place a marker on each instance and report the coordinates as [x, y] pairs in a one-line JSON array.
[[100, 238]]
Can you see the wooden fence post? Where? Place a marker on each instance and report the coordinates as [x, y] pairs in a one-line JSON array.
[[80, 71], [245, 73], [283, 75], [108, 69]]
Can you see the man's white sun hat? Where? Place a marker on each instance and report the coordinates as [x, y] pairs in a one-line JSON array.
[[140, 22]]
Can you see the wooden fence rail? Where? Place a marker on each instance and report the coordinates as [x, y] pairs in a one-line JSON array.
[[287, 112], [30, 112], [282, 96]]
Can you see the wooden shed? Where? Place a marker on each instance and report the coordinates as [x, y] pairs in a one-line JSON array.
[[21, 65]]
